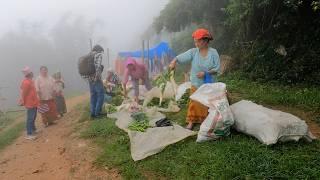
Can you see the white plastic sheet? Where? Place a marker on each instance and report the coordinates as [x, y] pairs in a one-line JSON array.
[[182, 88], [154, 140]]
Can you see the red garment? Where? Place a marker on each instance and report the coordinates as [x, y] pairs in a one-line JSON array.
[[52, 114], [29, 97]]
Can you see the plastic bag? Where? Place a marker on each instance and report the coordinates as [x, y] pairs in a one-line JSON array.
[[220, 118], [182, 88]]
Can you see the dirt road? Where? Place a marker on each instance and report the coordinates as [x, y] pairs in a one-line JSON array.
[[57, 154]]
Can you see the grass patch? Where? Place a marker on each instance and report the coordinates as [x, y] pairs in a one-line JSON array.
[[306, 98], [156, 101], [238, 156], [5, 121], [8, 118], [235, 157], [9, 135], [115, 144]]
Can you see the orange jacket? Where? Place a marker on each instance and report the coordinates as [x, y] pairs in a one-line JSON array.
[[29, 98]]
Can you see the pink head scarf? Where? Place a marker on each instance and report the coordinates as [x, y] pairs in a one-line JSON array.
[[26, 71], [130, 60], [139, 72]]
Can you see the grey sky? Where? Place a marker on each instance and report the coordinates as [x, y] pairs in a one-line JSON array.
[[125, 19], [119, 22]]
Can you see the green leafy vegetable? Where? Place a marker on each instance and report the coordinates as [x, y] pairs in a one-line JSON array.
[[110, 109], [184, 100], [140, 123]]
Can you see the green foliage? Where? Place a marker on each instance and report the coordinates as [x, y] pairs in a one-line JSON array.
[[8, 118], [183, 41], [305, 98], [99, 128], [179, 14], [183, 102], [264, 26], [235, 157], [162, 79], [110, 109], [156, 101], [274, 40], [117, 100]]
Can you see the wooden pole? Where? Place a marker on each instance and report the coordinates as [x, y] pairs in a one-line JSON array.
[[148, 55], [108, 57], [143, 52]]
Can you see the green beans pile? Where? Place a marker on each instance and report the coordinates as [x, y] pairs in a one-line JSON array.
[[140, 123]]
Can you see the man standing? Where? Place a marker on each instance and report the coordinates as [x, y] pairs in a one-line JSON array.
[[96, 84], [29, 99]]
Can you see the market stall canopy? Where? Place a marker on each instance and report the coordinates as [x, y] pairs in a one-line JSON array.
[[162, 48]]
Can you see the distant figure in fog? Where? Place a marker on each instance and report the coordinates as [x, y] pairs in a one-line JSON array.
[[59, 96], [112, 81], [45, 86], [29, 99]]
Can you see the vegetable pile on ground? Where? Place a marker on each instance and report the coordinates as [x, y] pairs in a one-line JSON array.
[[117, 100], [155, 102], [110, 109], [184, 100], [140, 122], [161, 81]]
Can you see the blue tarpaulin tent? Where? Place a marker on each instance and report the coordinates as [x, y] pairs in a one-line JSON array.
[[158, 51]]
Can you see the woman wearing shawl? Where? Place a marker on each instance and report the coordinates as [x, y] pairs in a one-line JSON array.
[[45, 87], [205, 64]]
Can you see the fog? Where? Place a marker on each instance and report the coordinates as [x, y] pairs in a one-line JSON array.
[[56, 32]]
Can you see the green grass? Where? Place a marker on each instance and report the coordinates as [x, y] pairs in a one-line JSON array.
[[305, 98], [9, 135], [238, 156], [5, 121], [235, 157], [8, 118]]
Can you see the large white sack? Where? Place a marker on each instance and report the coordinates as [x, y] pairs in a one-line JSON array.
[[220, 118], [267, 125], [182, 88]]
